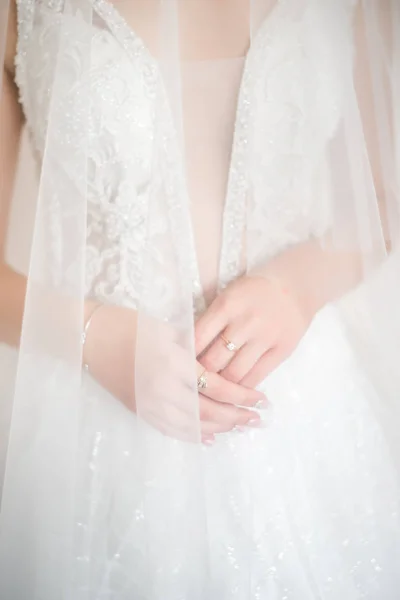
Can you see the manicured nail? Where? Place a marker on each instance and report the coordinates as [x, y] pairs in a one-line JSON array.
[[254, 423], [262, 404], [240, 428], [208, 440]]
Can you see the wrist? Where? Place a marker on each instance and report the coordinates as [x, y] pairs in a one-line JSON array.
[[302, 273], [315, 273]]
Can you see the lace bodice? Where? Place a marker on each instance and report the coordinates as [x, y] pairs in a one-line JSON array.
[[287, 111]]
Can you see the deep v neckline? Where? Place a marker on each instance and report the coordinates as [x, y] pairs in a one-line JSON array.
[[234, 205]]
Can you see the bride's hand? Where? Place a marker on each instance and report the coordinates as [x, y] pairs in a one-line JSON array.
[[265, 320], [165, 378]]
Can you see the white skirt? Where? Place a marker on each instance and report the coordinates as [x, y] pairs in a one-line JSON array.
[[304, 508]]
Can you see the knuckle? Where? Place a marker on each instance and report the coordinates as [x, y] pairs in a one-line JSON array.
[[208, 362], [243, 416], [225, 302], [232, 374], [221, 414], [227, 392], [218, 387], [248, 400], [257, 322]]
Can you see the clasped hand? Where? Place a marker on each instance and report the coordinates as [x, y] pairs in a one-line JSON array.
[[260, 316], [248, 331]]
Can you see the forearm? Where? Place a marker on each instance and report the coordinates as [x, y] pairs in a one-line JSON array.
[[316, 272], [12, 300], [12, 285]]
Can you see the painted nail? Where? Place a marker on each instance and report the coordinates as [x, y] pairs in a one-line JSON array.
[[262, 404], [240, 428], [254, 423], [208, 440]]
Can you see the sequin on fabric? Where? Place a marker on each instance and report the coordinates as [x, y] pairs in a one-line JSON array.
[[277, 513]]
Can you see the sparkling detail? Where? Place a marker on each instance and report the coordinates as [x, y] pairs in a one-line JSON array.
[[174, 181], [202, 382], [249, 543]]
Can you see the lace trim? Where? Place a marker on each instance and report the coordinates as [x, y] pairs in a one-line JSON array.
[[174, 185], [234, 219]]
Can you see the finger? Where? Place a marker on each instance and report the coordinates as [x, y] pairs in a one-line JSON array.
[[265, 366], [209, 325], [218, 355], [189, 432], [172, 431], [210, 428], [221, 390], [182, 365], [181, 425], [226, 414], [243, 362], [215, 419]]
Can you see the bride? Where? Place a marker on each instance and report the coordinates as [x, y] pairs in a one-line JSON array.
[[199, 395]]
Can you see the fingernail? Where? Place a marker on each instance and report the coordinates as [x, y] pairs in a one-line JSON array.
[[208, 440], [262, 404], [254, 423]]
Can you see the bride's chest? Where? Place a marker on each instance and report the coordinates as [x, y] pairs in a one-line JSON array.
[[81, 89], [94, 80]]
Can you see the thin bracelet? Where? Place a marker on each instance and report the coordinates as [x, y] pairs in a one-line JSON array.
[[86, 331]]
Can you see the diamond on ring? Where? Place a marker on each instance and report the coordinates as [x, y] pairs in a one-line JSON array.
[[229, 345], [202, 381]]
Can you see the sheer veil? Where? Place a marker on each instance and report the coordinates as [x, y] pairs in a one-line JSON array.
[[315, 165]]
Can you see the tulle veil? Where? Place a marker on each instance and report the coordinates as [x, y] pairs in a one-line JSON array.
[[334, 136]]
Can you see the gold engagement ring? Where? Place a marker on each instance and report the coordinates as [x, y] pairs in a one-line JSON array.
[[228, 344]]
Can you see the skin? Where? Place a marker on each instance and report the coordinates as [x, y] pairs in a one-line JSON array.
[[265, 314], [262, 318], [12, 285], [110, 346]]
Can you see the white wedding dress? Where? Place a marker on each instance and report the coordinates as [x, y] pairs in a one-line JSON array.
[[305, 508]]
